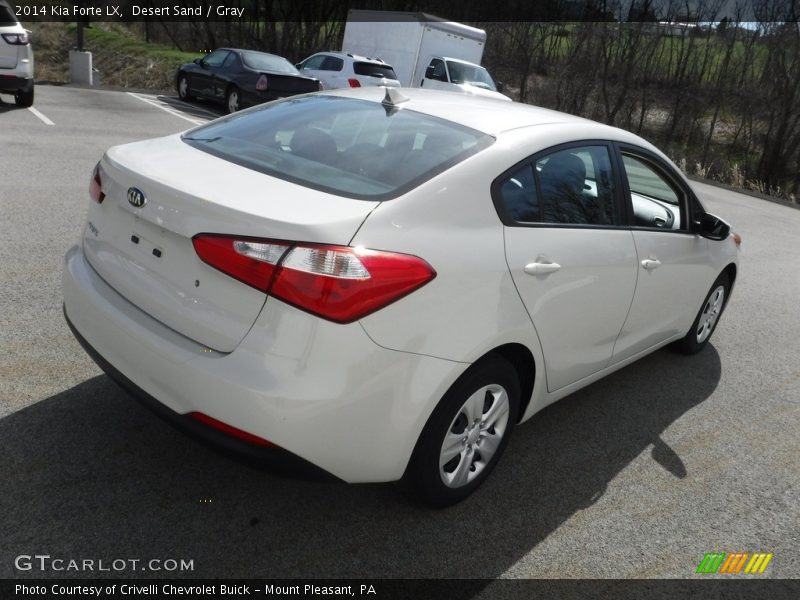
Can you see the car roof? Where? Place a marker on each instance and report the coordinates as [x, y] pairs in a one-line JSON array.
[[358, 57], [458, 60], [254, 52], [487, 115], [495, 116]]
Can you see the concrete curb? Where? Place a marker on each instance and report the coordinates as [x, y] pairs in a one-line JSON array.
[[746, 192]]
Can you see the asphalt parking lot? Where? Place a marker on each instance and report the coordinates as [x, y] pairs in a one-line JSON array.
[[638, 475]]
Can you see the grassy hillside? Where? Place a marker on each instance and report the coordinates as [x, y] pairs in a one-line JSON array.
[[123, 58]]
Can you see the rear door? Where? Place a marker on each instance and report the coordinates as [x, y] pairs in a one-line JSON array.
[[573, 263]]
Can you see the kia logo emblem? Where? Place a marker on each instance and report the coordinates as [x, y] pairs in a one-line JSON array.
[[136, 197]]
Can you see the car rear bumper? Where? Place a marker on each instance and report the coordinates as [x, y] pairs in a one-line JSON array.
[[325, 394], [277, 458], [13, 82]]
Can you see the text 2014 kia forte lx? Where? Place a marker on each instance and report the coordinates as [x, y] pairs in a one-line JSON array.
[[381, 283]]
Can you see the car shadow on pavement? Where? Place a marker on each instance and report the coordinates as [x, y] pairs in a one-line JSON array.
[[7, 103], [89, 473]]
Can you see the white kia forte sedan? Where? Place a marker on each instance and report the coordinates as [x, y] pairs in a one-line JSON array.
[[380, 283]]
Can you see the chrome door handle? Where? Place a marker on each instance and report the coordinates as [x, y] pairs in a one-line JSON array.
[[651, 263], [537, 268]]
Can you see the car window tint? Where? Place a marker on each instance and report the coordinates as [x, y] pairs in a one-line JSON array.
[[518, 194], [436, 70], [577, 187], [655, 202], [216, 58], [315, 62], [229, 61], [345, 146], [374, 70], [332, 63], [261, 61]]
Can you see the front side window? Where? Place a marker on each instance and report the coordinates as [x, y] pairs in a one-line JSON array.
[[230, 61], [216, 58], [344, 146], [436, 70], [332, 63], [656, 203], [574, 186]]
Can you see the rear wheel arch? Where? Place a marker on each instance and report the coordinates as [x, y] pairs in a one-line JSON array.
[[515, 360], [425, 472], [521, 358], [731, 271]]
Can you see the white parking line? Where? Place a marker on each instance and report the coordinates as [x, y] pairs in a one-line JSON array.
[[165, 109], [193, 107], [44, 119]]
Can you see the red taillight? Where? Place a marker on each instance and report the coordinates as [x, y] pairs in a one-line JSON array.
[[344, 284], [262, 83], [353, 83], [17, 39], [96, 186], [338, 283], [249, 260], [231, 430]]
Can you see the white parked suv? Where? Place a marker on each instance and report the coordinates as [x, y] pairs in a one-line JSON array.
[[341, 70], [16, 57]]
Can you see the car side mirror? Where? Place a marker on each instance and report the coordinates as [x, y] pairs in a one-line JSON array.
[[299, 66], [500, 86], [198, 61], [713, 227]]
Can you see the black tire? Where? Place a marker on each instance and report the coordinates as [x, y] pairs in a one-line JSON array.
[[23, 98], [701, 331], [425, 473], [229, 97], [182, 86]]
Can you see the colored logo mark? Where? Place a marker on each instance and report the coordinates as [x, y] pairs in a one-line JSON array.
[[734, 562]]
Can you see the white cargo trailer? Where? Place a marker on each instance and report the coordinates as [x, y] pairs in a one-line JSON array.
[[422, 49]]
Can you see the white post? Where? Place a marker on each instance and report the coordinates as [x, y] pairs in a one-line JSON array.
[[80, 67]]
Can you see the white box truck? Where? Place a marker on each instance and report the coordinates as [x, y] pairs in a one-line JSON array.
[[425, 51]]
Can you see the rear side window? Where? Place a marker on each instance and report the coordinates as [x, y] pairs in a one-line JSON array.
[[352, 148], [332, 63], [574, 186], [374, 70]]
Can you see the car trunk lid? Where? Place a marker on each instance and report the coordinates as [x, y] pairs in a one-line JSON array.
[[290, 84], [146, 253]]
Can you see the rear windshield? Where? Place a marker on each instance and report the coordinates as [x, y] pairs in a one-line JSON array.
[[261, 61], [373, 70], [352, 148]]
